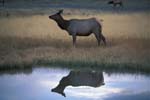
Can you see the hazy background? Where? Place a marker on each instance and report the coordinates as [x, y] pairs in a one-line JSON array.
[[43, 6], [100, 4]]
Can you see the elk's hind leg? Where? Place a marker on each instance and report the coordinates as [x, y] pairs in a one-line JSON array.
[[97, 35], [103, 38]]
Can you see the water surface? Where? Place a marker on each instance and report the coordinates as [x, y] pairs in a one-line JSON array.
[[37, 84]]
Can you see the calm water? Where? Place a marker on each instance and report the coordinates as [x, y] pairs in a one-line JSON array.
[[37, 84]]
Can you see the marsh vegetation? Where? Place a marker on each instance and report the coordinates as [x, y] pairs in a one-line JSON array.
[[31, 40]]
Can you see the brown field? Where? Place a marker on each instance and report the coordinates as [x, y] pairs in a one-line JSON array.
[[35, 40]]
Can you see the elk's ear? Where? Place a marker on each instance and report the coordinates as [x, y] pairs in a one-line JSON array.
[[60, 11]]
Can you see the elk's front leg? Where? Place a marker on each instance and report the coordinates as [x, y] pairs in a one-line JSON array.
[[74, 40]]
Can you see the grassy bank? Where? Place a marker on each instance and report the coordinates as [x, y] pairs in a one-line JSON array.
[[35, 40]]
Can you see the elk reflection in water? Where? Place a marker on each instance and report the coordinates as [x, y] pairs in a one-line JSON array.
[[79, 78]]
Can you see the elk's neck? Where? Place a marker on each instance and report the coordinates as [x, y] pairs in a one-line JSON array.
[[62, 87], [62, 23]]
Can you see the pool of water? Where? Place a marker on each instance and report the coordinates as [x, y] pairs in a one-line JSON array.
[[64, 84]]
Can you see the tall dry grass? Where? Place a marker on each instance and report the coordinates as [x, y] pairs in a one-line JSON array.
[[36, 39]]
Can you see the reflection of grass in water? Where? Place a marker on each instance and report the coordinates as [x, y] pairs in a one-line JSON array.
[[91, 65], [27, 41]]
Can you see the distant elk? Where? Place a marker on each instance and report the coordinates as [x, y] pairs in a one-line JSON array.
[[79, 27], [80, 78], [115, 3], [2, 2]]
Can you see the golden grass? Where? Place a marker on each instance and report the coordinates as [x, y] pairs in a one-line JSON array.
[[35, 39]]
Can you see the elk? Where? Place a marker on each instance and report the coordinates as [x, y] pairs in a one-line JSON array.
[[115, 3], [79, 78], [79, 27], [3, 2]]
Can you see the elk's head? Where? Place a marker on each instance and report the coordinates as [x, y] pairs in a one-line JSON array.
[[56, 16], [60, 91]]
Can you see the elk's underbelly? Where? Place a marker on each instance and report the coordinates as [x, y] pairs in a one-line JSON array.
[[83, 34]]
